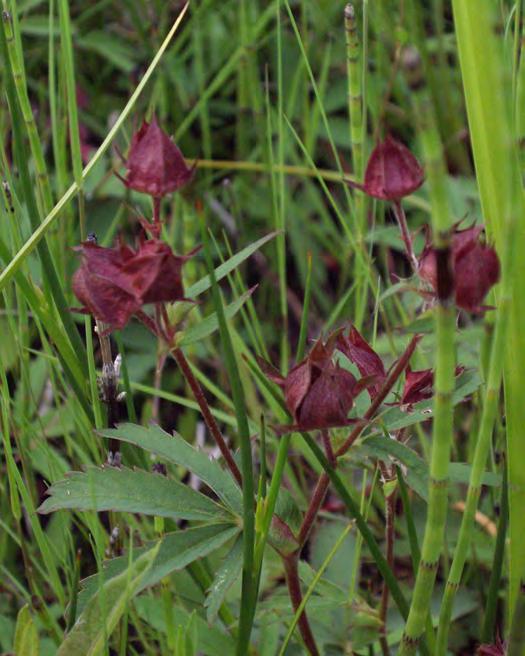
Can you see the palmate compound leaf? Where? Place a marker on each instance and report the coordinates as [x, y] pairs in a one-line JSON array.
[[101, 614], [134, 491], [226, 575], [175, 449], [175, 551]]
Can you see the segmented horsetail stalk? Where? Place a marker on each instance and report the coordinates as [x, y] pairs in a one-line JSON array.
[[445, 359], [357, 137], [488, 417]]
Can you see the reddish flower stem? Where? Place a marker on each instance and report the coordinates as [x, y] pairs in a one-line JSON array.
[[399, 213], [156, 217], [209, 419], [206, 412], [294, 589]]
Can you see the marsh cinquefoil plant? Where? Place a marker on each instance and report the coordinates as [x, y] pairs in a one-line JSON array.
[[327, 504]]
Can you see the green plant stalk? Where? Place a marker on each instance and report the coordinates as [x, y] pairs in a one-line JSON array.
[[17, 68], [489, 621], [357, 129], [76, 158], [516, 643], [284, 443], [248, 599], [48, 265], [445, 362], [487, 89], [279, 195], [52, 216], [486, 427]]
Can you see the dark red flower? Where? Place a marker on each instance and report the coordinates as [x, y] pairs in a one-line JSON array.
[[318, 393], [114, 283], [498, 648], [392, 172], [358, 351], [475, 265], [155, 164], [419, 385]]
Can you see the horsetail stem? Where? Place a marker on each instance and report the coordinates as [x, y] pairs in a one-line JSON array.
[[445, 360], [354, 63]]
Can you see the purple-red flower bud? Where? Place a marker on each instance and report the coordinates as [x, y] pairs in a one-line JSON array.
[[358, 351], [392, 172], [475, 266], [498, 648], [155, 164], [318, 393], [114, 283], [419, 385]]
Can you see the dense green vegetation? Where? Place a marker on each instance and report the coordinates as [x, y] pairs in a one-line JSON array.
[[265, 399]]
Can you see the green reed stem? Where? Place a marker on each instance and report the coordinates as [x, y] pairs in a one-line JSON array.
[[489, 621], [249, 586], [516, 643], [445, 361], [17, 68], [487, 86], [76, 158], [48, 266]]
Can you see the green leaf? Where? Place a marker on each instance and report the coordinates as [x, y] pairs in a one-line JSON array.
[[176, 551], [26, 635], [394, 418], [134, 491], [227, 267], [175, 449], [226, 576], [119, 53], [210, 640], [105, 608], [210, 324], [417, 470]]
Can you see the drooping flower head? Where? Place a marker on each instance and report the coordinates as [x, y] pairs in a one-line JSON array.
[[475, 265], [392, 172], [155, 164], [114, 283], [318, 393]]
